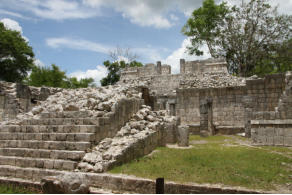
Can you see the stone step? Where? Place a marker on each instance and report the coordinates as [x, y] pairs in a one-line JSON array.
[[61, 121], [43, 163], [32, 174], [42, 153], [66, 114], [86, 137], [52, 145], [49, 128]]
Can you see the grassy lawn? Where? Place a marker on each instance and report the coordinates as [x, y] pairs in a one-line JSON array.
[[12, 189], [217, 159]]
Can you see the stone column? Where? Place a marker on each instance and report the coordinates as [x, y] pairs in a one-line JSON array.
[[183, 136], [159, 67], [182, 66], [206, 117], [248, 110]]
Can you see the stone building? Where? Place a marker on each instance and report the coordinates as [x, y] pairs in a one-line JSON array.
[[209, 100]]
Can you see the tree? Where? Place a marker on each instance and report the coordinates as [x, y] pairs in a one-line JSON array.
[[121, 58], [114, 69], [73, 83], [46, 76], [281, 61], [245, 36], [54, 77], [16, 56], [120, 54], [203, 25]]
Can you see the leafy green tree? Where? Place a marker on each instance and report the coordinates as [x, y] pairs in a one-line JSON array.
[[203, 25], [16, 56], [245, 36], [54, 77], [73, 83], [280, 61], [47, 76], [114, 69]]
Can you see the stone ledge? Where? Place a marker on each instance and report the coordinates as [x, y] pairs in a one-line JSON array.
[[20, 182], [229, 130], [125, 183], [271, 122]]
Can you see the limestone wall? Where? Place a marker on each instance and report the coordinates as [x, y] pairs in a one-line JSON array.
[[164, 84], [274, 127], [2, 99], [17, 98], [201, 66], [227, 107], [265, 92], [230, 108], [165, 69], [123, 111]]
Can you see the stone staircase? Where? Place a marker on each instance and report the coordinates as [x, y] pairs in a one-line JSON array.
[[47, 146]]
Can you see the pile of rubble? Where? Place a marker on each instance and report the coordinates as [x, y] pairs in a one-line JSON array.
[[7, 88], [96, 101], [111, 151], [212, 80]]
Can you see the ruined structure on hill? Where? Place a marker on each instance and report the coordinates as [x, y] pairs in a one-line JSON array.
[[44, 131]]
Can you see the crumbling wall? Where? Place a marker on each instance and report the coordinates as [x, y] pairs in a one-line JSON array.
[[275, 127], [164, 84], [18, 98], [201, 66], [165, 69], [187, 107], [234, 107], [2, 100], [265, 92], [227, 107]]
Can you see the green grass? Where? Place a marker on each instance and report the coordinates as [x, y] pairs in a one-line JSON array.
[[210, 138], [284, 150], [214, 163], [12, 189]]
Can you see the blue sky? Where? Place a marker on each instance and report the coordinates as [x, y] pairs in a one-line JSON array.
[[77, 35]]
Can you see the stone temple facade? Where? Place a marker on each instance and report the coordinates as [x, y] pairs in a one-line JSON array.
[[209, 100], [50, 131]]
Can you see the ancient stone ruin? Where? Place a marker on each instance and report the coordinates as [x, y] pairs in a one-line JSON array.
[[50, 132]]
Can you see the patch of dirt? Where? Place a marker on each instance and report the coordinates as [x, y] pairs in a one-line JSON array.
[[194, 142], [153, 152], [178, 147]]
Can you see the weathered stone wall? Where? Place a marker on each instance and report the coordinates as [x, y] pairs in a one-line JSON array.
[[274, 127], [227, 107], [201, 66], [114, 120], [164, 84], [234, 107], [2, 100], [17, 98], [265, 92], [165, 69]]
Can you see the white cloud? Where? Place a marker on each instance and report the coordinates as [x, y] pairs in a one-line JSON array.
[[181, 53], [79, 44], [4, 12], [53, 9], [154, 13], [39, 63], [97, 74], [147, 53], [11, 24], [148, 13]]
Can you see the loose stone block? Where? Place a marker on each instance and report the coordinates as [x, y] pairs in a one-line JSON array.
[[183, 136]]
